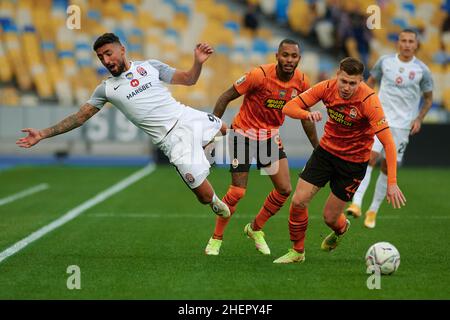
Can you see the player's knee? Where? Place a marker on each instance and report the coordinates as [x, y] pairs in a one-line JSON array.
[[284, 190], [299, 203]]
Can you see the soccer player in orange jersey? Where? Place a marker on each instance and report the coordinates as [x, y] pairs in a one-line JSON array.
[[266, 90], [355, 115]]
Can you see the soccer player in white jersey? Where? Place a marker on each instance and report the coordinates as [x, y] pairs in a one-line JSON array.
[[403, 80], [136, 88]]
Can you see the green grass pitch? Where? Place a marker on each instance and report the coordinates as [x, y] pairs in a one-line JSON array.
[[147, 241]]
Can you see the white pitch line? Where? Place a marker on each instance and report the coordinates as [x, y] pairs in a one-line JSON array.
[[75, 212], [24, 193]]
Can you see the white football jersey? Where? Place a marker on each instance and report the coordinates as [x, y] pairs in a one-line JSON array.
[[140, 94], [401, 87]]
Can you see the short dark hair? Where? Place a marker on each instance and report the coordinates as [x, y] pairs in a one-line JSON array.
[[410, 31], [105, 39], [351, 66], [288, 41]]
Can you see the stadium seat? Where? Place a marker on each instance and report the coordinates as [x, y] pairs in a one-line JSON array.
[[267, 7], [6, 70]]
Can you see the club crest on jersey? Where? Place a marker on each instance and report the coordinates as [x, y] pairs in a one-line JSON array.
[[294, 93], [134, 82], [189, 178], [412, 75], [141, 71], [353, 113], [240, 80], [282, 93], [129, 75]]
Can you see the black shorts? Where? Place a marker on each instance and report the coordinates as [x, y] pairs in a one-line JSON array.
[[344, 176], [243, 150]]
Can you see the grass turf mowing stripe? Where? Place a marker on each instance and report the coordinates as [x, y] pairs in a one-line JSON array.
[[71, 214], [24, 193], [168, 215]]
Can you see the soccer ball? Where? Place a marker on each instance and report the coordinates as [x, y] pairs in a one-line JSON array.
[[383, 256]]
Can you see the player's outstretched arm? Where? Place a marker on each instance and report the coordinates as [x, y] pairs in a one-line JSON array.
[[395, 196], [293, 109], [71, 122], [223, 101], [188, 78]]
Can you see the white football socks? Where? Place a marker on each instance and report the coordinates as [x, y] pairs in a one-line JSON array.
[[380, 192], [359, 194]]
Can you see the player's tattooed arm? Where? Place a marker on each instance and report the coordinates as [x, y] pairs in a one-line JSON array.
[[71, 122], [224, 100]]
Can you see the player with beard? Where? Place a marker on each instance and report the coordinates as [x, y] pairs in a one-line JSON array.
[[137, 89], [266, 90]]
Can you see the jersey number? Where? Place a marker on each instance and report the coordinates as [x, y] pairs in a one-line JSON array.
[[402, 147]]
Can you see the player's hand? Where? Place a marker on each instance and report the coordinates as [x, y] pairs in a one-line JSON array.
[[415, 127], [202, 52], [395, 196], [315, 116], [34, 136]]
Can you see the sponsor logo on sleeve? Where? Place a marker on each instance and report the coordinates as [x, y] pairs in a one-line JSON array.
[[240, 80], [381, 122]]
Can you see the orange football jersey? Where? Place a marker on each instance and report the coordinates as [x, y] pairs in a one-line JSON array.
[[351, 124], [265, 95]]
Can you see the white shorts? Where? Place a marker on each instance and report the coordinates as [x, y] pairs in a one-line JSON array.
[[401, 139], [184, 144]]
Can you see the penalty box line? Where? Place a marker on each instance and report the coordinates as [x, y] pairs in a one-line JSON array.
[[75, 212]]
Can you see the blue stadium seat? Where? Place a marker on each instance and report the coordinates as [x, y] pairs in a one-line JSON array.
[[232, 25], [400, 22], [260, 46], [281, 8], [409, 7]]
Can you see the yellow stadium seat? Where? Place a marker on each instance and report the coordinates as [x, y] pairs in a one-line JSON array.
[[10, 96], [446, 99]]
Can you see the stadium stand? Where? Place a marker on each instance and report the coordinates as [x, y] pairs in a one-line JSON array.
[[45, 61], [327, 23]]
